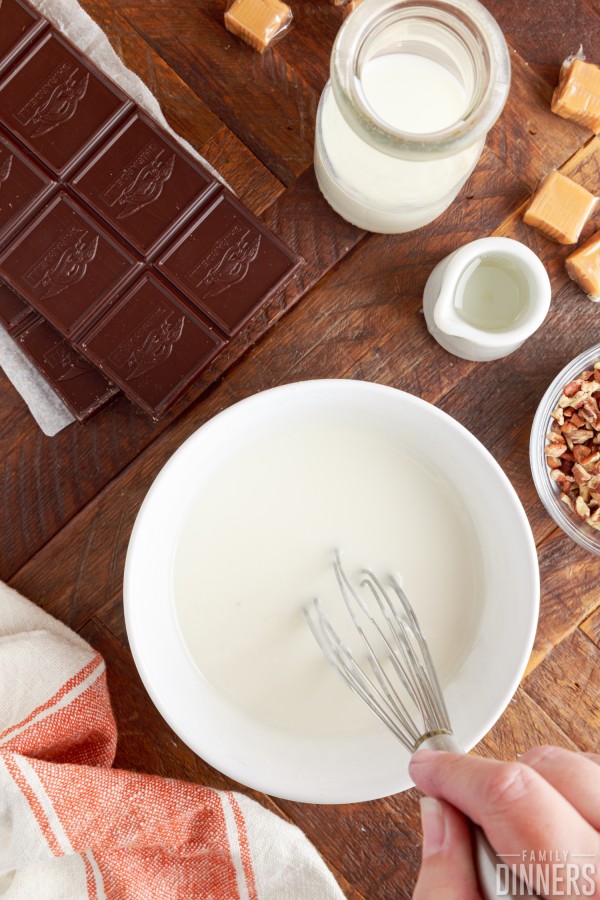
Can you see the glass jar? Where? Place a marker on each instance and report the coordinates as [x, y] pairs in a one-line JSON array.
[[414, 89]]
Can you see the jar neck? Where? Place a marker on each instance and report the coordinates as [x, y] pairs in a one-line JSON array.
[[459, 35]]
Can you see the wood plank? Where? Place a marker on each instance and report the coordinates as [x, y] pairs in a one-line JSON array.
[[184, 109], [570, 588], [528, 137], [551, 33], [368, 312], [248, 91], [566, 685], [256, 187], [523, 725], [591, 627]]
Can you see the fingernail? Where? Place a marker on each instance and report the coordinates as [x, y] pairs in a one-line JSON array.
[[421, 757], [433, 821]]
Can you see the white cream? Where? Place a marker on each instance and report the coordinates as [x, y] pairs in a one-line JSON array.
[[380, 192], [257, 546]]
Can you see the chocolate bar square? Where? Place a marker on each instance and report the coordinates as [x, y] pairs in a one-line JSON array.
[[227, 263], [143, 183], [66, 265], [57, 103], [151, 345], [23, 186], [15, 314], [83, 388], [19, 24]]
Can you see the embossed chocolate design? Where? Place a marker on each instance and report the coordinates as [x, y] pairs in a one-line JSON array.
[[61, 105], [227, 263], [143, 184], [224, 263], [150, 345], [165, 348], [5, 167], [65, 362], [71, 266], [66, 265], [57, 103]]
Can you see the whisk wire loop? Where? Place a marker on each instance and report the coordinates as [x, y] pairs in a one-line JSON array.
[[405, 694]]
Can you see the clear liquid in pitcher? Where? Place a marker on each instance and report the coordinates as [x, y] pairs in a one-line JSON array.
[[492, 293]]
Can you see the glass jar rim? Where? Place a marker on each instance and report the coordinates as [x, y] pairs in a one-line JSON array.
[[470, 129]]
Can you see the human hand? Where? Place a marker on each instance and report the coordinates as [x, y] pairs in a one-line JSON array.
[[541, 813]]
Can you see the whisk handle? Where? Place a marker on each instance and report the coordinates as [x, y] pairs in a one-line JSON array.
[[486, 859]]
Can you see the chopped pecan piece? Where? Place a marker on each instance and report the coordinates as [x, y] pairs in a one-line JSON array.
[[573, 446]]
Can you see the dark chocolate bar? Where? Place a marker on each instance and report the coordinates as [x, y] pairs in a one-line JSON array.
[[67, 265], [151, 345], [19, 25], [226, 263], [115, 235], [58, 104], [23, 187], [15, 314], [143, 184], [81, 387]]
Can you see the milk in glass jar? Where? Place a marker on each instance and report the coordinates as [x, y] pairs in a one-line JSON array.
[[414, 89]]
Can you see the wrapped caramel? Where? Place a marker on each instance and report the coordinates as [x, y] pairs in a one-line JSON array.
[[560, 208], [577, 95], [584, 267], [258, 22]]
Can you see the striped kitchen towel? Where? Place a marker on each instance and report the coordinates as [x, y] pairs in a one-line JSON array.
[[72, 827]]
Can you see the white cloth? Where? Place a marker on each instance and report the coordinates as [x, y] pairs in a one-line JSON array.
[[71, 827]]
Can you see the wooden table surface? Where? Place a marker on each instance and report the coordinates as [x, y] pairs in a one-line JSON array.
[[354, 311]]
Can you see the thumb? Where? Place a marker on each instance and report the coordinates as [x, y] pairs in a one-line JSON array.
[[447, 868]]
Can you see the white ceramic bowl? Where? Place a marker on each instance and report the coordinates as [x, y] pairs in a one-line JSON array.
[[343, 768]]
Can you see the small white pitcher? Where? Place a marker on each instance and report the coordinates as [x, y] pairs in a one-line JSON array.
[[464, 303]]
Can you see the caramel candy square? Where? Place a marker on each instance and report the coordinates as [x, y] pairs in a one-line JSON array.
[[257, 22], [584, 267], [560, 208], [577, 95]]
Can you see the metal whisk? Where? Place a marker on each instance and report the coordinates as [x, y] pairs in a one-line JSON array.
[[402, 686], [421, 713]]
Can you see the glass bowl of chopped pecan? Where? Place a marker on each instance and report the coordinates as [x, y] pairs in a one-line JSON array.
[[565, 449]]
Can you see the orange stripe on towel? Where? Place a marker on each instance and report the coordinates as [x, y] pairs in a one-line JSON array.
[[52, 701], [240, 823]]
